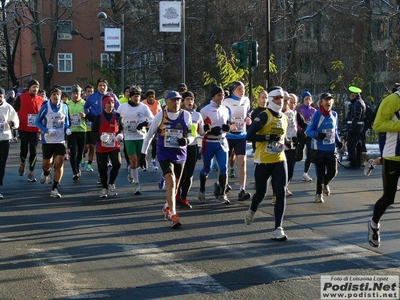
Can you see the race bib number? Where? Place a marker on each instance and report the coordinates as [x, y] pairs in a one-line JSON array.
[[110, 141], [58, 122], [31, 120], [2, 125], [239, 123], [131, 127], [171, 138], [76, 120], [89, 125], [330, 137], [274, 147]]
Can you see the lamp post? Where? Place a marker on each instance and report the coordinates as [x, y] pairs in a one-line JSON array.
[[103, 15], [76, 32]]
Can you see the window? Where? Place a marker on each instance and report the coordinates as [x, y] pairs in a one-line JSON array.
[[65, 62], [64, 30], [67, 89], [105, 60], [66, 3], [105, 3]]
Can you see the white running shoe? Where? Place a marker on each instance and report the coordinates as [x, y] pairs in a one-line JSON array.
[[55, 194], [369, 166], [112, 190], [305, 177], [249, 218], [326, 190], [279, 235], [319, 198], [103, 193], [1, 196], [138, 190]]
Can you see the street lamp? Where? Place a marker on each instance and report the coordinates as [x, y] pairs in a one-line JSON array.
[[76, 32], [103, 15]]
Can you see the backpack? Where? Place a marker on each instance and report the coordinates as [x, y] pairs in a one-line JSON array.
[[370, 114]]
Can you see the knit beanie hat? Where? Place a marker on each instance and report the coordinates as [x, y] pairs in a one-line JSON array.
[[234, 85], [216, 90], [305, 94], [76, 89], [102, 80], [33, 82], [187, 94]]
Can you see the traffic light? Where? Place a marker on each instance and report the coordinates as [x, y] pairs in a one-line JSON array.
[[254, 54], [241, 55]]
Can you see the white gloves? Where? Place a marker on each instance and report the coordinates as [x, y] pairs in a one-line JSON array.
[[105, 138], [68, 131], [119, 137], [52, 132]]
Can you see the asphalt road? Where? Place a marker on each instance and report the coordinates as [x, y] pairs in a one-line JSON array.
[[85, 247]]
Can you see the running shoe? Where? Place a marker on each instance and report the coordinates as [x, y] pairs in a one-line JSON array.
[[89, 168], [174, 219], [43, 178], [319, 198], [305, 177], [166, 211], [249, 217], [232, 173], [184, 203], [279, 235], [55, 194], [228, 189], [214, 167], [138, 190], [21, 170], [217, 189], [244, 195], [98, 179], [112, 190], [75, 177], [83, 162], [31, 177], [154, 165], [66, 156], [374, 237], [202, 197], [161, 182], [369, 166], [326, 190], [103, 193], [1, 196], [223, 199]]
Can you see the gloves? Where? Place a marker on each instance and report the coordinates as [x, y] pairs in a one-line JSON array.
[[52, 132], [119, 137], [104, 138], [321, 135], [207, 127], [215, 130], [68, 131], [295, 141], [226, 127], [272, 137], [182, 141], [141, 125], [339, 144], [143, 161]]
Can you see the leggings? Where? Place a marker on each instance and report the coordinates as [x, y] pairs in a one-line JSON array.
[[390, 177], [102, 160], [29, 140], [278, 172], [187, 177]]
